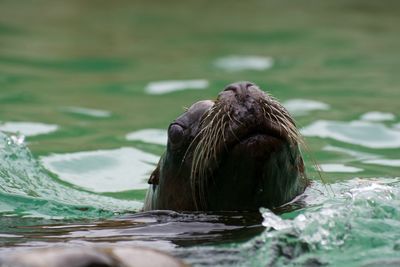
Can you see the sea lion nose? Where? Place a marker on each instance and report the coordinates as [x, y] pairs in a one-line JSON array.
[[239, 88]]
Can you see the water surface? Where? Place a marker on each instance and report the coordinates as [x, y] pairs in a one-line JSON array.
[[87, 91]]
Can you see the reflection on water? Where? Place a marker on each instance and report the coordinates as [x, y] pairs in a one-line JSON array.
[[384, 162], [335, 167], [354, 153], [163, 87], [301, 107], [28, 128], [104, 170], [378, 116], [88, 112], [152, 136], [162, 229], [368, 134], [240, 63]]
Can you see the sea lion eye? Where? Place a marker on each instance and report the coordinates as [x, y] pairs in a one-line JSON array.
[[175, 134]]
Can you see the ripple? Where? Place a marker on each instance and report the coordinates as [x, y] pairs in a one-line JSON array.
[[301, 107], [28, 189], [334, 167], [367, 158], [153, 136], [28, 128], [10, 236], [353, 153], [88, 112], [240, 63], [384, 162], [367, 134], [104, 170], [377, 116], [163, 87]]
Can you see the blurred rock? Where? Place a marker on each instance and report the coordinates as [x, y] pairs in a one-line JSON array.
[[117, 256]]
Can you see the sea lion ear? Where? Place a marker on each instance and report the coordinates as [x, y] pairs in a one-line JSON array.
[[154, 177]]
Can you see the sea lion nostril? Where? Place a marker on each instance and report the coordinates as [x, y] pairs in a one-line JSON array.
[[248, 85], [233, 87], [239, 88]]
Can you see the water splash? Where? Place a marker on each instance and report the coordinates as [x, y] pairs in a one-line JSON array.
[[363, 218]]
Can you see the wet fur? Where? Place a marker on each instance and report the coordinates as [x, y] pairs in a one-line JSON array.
[[195, 175]]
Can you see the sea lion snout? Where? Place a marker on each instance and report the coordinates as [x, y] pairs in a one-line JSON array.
[[244, 96], [240, 91], [244, 102]]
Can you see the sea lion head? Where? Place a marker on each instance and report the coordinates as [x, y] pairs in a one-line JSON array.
[[239, 152]]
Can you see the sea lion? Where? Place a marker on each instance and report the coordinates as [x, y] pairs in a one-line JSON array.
[[237, 153]]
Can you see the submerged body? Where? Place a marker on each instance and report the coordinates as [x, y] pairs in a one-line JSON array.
[[240, 152]]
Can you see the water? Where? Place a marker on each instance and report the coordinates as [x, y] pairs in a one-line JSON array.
[[87, 91]]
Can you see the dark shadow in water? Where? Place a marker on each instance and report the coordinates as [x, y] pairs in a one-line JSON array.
[[176, 228], [180, 229]]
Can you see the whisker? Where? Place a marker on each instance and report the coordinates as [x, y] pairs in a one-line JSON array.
[[218, 126]]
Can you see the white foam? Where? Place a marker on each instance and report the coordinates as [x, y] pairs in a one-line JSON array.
[[384, 162], [304, 106], [339, 168], [153, 136], [28, 128], [240, 63], [272, 221], [327, 222], [17, 139], [104, 170], [368, 134], [377, 116], [163, 87], [89, 112]]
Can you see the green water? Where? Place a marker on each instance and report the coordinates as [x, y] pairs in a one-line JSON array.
[[76, 73]]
